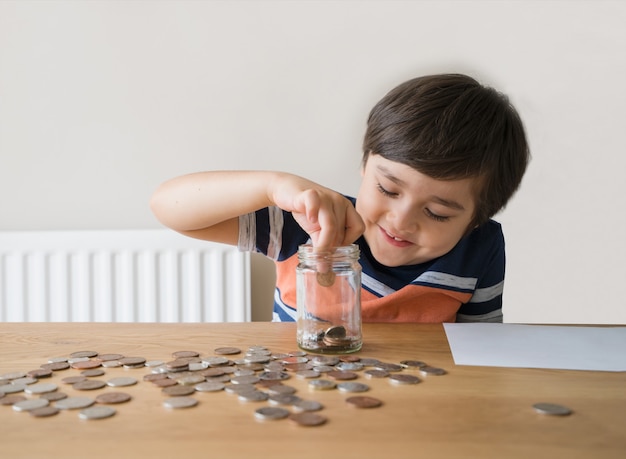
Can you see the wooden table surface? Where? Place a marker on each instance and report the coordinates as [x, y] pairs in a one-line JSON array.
[[469, 412]]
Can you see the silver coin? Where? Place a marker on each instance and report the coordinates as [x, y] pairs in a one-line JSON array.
[[83, 354], [552, 409], [57, 360], [307, 405], [28, 405], [273, 376], [251, 379], [352, 387], [281, 389], [121, 381], [413, 364], [90, 384], [374, 373], [209, 386], [369, 362], [327, 360], [308, 374], [322, 384], [180, 402], [111, 364], [12, 388], [284, 399], [253, 396], [154, 363], [239, 388], [390, 367], [77, 359], [243, 372], [216, 361], [432, 371], [27, 380], [73, 403], [191, 380], [271, 413], [257, 358], [324, 368], [97, 412], [12, 376], [349, 366], [403, 378], [41, 388]]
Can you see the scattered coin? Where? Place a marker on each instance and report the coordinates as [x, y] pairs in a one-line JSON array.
[[342, 375], [27, 405], [271, 413], [209, 386], [227, 350], [180, 402], [362, 401], [94, 372], [307, 405], [182, 354], [109, 398], [40, 373], [353, 387], [253, 396], [121, 382], [402, 378], [308, 419], [375, 373], [55, 366], [12, 388], [74, 403], [11, 399], [412, 364], [322, 384], [97, 412], [432, 371], [41, 388], [53, 396], [44, 411], [86, 364], [83, 354], [178, 390], [552, 409], [89, 384]]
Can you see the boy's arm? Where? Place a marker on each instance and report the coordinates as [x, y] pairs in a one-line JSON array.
[[207, 205]]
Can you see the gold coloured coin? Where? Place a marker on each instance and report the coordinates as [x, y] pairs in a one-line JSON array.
[[110, 398]]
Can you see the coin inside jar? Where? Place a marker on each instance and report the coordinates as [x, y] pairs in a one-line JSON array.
[[325, 279]]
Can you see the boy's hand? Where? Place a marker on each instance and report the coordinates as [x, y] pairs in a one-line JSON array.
[[327, 216]]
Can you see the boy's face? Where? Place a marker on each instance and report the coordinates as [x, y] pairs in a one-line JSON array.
[[409, 217]]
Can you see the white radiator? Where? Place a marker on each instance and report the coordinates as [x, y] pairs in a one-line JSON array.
[[121, 276]]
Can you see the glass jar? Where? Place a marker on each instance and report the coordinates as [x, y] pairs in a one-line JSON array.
[[329, 299]]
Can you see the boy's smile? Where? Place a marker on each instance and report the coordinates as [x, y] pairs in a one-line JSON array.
[[409, 217]]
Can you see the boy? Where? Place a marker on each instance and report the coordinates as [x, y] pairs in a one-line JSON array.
[[441, 155]]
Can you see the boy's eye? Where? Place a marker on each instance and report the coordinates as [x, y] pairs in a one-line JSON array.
[[385, 192], [439, 218]]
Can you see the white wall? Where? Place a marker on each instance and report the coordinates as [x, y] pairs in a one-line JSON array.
[[102, 101]]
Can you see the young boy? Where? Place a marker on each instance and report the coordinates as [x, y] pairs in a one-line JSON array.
[[442, 154]]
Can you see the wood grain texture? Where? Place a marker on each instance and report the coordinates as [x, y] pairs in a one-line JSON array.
[[470, 412]]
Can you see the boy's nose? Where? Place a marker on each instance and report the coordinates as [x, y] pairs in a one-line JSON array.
[[402, 220]]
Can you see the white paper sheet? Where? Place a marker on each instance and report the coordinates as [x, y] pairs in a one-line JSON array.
[[538, 346]]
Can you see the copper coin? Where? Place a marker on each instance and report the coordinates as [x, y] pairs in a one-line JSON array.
[[44, 411], [53, 396], [92, 372], [349, 358], [326, 279], [56, 366], [11, 399], [342, 375], [177, 365], [178, 390], [90, 384], [40, 373], [308, 419], [212, 372], [227, 350], [271, 413], [362, 401], [167, 382], [374, 373], [86, 364], [113, 397]]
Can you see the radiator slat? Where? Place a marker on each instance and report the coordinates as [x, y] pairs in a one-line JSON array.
[[132, 276]]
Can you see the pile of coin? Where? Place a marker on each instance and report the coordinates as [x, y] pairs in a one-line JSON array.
[[256, 375]]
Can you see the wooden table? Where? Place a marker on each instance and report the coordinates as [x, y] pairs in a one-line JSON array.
[[469, 412]]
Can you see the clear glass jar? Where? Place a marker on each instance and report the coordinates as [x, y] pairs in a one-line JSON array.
[[329, 299]]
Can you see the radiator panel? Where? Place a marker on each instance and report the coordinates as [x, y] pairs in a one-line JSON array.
[[121, 276]]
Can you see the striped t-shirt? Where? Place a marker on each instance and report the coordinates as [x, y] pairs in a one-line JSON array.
[[464, 285]]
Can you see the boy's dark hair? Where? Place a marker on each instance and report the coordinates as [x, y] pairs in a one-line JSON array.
[[451, 127]]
